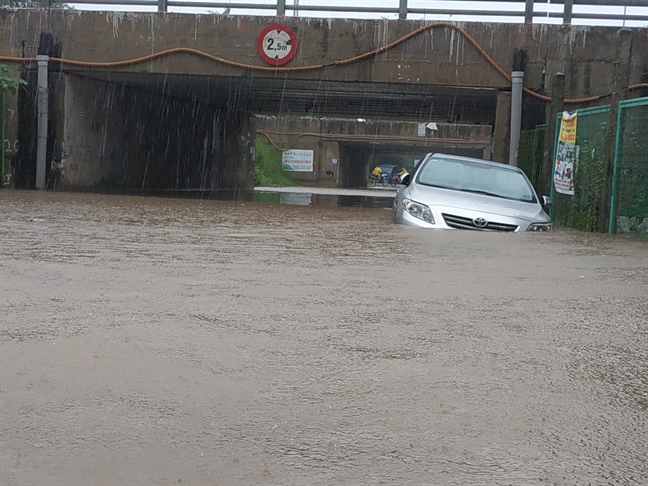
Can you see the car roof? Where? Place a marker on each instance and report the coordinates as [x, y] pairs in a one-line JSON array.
[[472, 159]]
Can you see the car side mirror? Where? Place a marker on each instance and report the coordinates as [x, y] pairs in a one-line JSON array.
[[546, 201], [405, 179]]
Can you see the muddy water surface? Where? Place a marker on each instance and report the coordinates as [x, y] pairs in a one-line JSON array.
[[168, 341]]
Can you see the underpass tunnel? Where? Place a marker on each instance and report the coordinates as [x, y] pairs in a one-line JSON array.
[[358, 159], [119, 131], [354, 160], [118, 137]]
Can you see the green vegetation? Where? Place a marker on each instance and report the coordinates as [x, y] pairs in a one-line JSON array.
[[7, 81], [268, 171]]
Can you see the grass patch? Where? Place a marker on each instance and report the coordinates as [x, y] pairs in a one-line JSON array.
[[268, 171]]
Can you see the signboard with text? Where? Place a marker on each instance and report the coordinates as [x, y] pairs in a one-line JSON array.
[[297, 160]]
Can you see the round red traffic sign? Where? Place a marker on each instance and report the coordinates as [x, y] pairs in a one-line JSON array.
[[277, 44]]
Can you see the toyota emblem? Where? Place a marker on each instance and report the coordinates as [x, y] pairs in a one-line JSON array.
[[480, 222]]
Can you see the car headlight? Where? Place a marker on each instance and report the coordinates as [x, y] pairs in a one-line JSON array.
[[418, 210], [540, 227]]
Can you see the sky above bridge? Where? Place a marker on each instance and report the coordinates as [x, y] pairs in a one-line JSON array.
[[463, 9]]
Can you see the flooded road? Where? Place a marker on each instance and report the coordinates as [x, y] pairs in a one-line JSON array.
[[169, 341]]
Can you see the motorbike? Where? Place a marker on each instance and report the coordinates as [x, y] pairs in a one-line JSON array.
[[383, 180], [394, 180]]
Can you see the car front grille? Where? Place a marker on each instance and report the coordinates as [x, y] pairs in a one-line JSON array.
[[461, 222]]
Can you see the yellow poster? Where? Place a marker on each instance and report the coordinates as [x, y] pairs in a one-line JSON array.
[[566, 154]]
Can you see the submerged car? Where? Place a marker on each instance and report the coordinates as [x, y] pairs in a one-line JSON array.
[[448, 191]]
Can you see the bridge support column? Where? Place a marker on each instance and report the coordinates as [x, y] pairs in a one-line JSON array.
[[43, 112], [233, 166], [501, 132], [556, 106]]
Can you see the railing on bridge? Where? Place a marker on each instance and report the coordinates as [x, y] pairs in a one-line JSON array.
[[510, 10]]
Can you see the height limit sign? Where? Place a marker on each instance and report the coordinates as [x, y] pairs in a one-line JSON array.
[[277, 44]]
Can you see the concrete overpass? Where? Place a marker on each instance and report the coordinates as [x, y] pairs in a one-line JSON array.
[[154, 100]]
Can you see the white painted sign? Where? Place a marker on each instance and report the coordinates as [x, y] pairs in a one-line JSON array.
[[421, 129], [297, 160]]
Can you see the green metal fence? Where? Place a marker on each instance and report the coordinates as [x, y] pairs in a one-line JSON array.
[[629, 198], [629, 203], [584, 209], [530, 157]]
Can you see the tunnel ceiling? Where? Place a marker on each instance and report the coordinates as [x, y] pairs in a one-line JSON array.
[[305, 97]]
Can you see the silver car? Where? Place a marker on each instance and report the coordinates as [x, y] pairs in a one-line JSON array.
[[447, 191]]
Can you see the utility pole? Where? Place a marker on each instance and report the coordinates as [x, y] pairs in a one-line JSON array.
[[43, 112], [516, 115], [555, 107], [620, 83]]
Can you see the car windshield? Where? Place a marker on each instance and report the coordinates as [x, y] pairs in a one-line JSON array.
[[476, 177]]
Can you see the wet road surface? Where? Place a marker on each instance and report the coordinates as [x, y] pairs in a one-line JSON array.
[[169, 341]]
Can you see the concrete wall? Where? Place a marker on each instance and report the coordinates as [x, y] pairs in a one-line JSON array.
[[93, 148], [118, 138], [10, 141], [356, 144], [305, 134], [440, 56]]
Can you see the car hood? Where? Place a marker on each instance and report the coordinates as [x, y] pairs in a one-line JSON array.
[[457, 200]]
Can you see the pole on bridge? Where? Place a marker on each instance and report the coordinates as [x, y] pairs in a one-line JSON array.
[[516, 115], [162, 5], [43, 111], [528, 11], [567, 11], [555, 107], [281, 7], [402, 10], [620, 83]]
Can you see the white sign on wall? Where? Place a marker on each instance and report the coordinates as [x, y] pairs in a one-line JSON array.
[[297, 160]]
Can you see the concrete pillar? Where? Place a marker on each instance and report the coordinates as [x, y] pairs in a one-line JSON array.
[[556, 106], [43, 112], [516, 115], [620, 83], [501, 130], [239, 153]]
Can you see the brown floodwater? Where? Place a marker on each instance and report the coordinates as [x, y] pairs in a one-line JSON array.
[[174, 341]]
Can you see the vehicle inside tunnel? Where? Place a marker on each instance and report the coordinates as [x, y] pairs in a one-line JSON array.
[[357, 160]]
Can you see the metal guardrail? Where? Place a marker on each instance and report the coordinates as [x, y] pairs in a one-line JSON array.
[[281, 8]]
